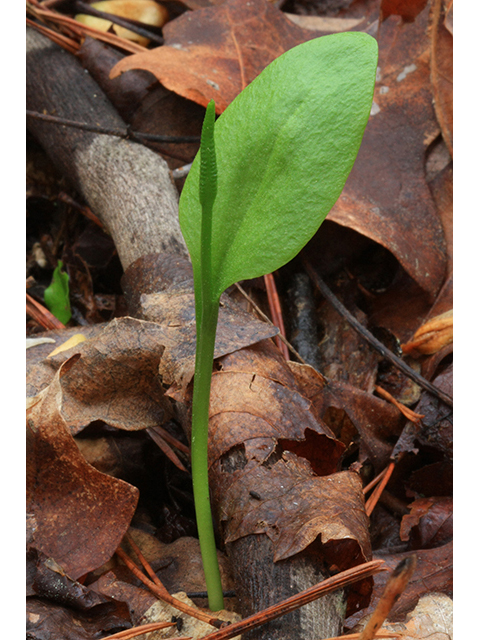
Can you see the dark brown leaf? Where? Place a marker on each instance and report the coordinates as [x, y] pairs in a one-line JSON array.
[[297, 508], [46, 621], [429, 524], [81, 514], [386, 196], [408, 9]]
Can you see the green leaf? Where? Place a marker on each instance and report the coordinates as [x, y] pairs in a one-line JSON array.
[[284, 149], [56, 296]]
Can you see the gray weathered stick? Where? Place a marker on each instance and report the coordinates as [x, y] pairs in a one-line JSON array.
[[127, 185]]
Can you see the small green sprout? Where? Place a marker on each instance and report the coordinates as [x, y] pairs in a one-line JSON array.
[[267, 174], [57, 295]]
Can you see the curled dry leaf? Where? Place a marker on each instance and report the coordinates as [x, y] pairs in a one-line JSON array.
[[267, 449], [429, 523], [81, 514], [168, 300], [116, 378], [432, 336], [297, 508], [255, 398], [217, 51], [386, 197]]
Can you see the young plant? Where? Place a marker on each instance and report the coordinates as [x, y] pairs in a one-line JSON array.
[[267, 174], [57, 295]]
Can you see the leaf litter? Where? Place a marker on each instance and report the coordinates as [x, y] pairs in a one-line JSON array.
[[329, 422]]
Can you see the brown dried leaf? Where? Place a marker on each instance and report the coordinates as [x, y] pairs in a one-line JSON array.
[[442, 72], [297, 508], [386, 196], [429, 524], [81, 514], [254, 398], [219, 50], [46, 620], [408, 9], [376, 421], [116, 378]]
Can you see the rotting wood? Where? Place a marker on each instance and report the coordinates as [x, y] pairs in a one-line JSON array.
[[129, 188]]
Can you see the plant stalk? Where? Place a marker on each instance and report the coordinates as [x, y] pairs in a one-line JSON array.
[[206, 315]]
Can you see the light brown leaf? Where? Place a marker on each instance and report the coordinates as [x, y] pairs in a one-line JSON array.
[[217, 51]]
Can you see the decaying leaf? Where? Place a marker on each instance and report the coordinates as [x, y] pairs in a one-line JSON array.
[[215, 52], [386, 196], [115, 379], [47, 620], [168, 300], [81, 514], [255, 398], [429, 523], [297, 508]]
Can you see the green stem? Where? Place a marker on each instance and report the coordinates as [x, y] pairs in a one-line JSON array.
[[206, 313], [200, 407]]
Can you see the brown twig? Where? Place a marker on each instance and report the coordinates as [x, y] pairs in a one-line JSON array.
[[394, 588], [42, 315], [376, 344], [276, 312], [374, 482], [372, 501], [119, 133], [339, 581], [166, 597]]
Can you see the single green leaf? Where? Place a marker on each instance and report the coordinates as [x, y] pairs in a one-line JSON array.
[[284, 149], [56, 296]]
